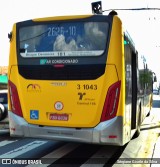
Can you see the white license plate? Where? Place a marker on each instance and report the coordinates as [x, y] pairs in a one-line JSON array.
[[59, 117]]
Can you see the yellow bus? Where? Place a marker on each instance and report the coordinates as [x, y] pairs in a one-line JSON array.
[[76, 78]]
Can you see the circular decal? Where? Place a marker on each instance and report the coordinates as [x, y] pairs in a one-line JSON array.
[[58, 105]]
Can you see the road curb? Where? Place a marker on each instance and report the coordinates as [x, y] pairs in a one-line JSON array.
[[156, 154]]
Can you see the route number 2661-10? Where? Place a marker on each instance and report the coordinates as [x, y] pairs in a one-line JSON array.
[[87, 87]]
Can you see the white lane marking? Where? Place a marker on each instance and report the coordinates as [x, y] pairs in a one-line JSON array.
[[23, 149], [100, 157], [55, 155], [5, 142]]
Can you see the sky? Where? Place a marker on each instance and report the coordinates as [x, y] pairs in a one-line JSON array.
[[143, 26]]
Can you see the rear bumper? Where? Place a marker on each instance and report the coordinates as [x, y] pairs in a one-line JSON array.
[[108, 132]]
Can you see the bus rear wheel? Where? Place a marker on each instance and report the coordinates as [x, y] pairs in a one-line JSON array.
[[138, 131], [148, 113]]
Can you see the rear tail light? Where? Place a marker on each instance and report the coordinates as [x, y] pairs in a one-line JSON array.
[[14, 98], [111, 102]]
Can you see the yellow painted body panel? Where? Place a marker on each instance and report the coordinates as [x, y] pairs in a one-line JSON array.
[[116, 57], [85, 112], [12, 60], [82, 113], [61, 18]]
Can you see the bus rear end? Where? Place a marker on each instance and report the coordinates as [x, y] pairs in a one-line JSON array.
[[63, 83]]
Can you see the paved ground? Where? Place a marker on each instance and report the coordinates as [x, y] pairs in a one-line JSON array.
[[145, 149]]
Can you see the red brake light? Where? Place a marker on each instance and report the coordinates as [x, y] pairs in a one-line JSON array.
[[111, 102], [14, 98]]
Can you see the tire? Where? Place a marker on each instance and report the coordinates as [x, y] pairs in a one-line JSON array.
[[3, 112], [138, 131], [148, 113]]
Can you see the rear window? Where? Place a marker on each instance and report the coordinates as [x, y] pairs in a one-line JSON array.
[[63, 39]]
